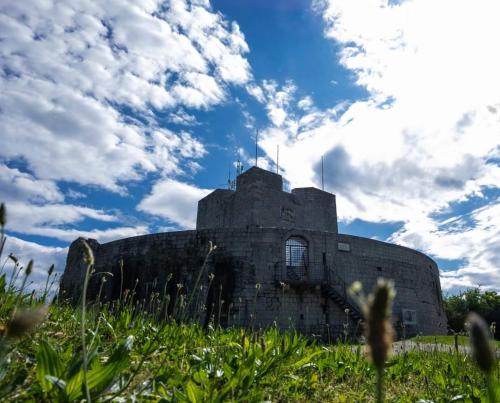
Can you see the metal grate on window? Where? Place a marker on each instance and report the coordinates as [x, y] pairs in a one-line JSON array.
[[296, 252]]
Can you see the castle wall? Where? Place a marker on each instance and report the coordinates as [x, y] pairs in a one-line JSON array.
[[259, 201], [249, 264], [415, 275]]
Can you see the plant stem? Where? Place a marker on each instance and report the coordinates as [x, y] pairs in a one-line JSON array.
[[380, 386], [84, 347], [491, 389]]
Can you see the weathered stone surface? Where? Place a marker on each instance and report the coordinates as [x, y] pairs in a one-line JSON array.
[[252, 285]]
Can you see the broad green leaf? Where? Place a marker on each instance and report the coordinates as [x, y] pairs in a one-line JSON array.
[[306, 359], [194, 393], [101, 378], [48, 363], [58, 382], [74, 375]]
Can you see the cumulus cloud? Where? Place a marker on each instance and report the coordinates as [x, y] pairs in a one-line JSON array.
[[37, 207], [175, 201], [425, 137], [473, 237], [83, 84], [76, 77], [43, 257], [17, 185]]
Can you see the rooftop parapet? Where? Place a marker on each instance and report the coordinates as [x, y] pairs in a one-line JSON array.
[[258, 177], [259, 200]]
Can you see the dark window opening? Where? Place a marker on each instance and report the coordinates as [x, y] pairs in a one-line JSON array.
[[296, 252], [379, 268]]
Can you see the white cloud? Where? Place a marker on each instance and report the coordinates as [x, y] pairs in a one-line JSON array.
[[473, 237], [43, 257], [37, 207], [424, 138], [175, 201], [305, 103], [71, 72], [103, 236], [181, 117], [81, 84], [16, 185]]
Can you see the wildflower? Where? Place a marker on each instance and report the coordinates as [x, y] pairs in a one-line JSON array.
[[257, 286], [13, 258], [211, 276], [24, 322], [379, 332], [29, 268], [493, 328], [3, 215], [89, 255], [211, 247], [481, 343], [356, 287], [179, 286]]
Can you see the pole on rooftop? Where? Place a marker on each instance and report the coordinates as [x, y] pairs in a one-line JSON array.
[[256, 144], [278, 159], [322, 175]]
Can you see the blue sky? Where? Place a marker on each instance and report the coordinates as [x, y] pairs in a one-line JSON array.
[[117, 116]]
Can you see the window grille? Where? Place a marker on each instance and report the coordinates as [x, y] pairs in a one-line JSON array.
[[296, 253]]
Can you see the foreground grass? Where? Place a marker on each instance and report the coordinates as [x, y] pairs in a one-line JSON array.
[[134, 351], [136, 357], [448, 340]]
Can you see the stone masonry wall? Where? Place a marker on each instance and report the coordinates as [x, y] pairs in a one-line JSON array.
[[415, 275], [259, 200], [249, 265]]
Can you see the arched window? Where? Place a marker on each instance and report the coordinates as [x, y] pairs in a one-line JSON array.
[[296, 252]]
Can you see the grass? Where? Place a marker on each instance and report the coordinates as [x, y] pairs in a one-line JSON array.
[[133, 355], [447, 340], [117, 352], [137, 357]]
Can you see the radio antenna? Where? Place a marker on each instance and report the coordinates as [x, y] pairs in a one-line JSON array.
[[256, 145], [322, 175], [278, 159]]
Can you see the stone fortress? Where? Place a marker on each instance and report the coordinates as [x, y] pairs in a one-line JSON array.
[[279, 259]]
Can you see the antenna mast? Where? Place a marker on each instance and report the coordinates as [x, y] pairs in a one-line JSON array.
[[256, 144], [322, 175], [278, 159]]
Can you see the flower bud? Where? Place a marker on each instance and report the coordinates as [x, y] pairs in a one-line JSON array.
[[480, 341], [25, 321], [89, 255], [3, 215], [379, 332], [29, 268]]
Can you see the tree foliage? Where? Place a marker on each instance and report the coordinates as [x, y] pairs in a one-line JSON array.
[[485, 303]]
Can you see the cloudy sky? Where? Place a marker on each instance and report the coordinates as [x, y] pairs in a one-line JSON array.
[[117, 116]]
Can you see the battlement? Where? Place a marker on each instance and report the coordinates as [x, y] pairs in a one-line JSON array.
[[259, 200]]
